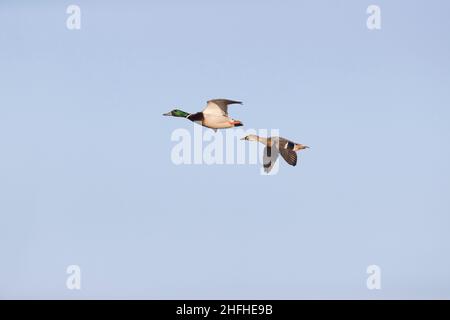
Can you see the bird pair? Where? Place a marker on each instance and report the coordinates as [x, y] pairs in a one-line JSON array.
[[215, 116]]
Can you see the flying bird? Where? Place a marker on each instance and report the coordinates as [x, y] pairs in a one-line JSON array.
[[275, 146], [214, 115]]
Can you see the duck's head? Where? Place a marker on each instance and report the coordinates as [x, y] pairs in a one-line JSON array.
[[250, 137], [177, 113]]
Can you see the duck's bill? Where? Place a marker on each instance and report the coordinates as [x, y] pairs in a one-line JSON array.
[[167, 114]]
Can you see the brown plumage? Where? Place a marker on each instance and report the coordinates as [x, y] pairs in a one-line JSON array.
[[275, 146]]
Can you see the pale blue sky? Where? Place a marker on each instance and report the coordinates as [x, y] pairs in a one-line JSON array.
[[86, 176]]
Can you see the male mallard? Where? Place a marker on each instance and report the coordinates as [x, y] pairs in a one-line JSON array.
[[214, 116], [275, 145]]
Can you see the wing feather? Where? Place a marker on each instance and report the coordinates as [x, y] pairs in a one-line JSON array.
[[289, 155], [270, 156], [219, 107]]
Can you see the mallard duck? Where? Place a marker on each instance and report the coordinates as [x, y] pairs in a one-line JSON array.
[[214, 116], [275, 145]]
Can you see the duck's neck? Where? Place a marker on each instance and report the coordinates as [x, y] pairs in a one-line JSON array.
[[264, 141]]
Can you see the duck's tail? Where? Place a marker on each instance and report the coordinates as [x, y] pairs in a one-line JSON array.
[[300, 147]]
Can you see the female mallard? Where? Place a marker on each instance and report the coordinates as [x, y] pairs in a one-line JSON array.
[[275, 145], [214, 116]]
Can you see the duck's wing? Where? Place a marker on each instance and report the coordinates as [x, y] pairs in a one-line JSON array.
[[286, 149], [270, 156], [219, 107]]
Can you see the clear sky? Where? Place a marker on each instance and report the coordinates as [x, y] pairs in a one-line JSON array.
[[86, 176]]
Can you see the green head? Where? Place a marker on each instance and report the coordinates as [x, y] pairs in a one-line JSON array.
[[177, 113]]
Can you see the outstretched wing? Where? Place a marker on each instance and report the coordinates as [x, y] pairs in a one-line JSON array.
[[286, 149], [289, 155], [219, 107], [269, 158]]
